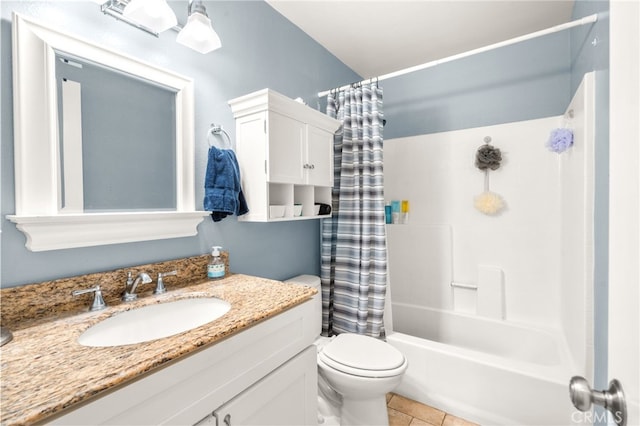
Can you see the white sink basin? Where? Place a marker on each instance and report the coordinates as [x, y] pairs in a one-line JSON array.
[[153, 322]]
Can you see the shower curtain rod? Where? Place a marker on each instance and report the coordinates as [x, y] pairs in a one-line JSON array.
[[578, 22]]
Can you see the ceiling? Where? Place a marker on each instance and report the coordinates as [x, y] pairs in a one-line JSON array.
[[376, 37]]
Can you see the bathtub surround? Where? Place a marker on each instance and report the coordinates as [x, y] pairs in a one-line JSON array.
[[526, 275], [524, 241], [420, 258], [577, 229], [490, 292], [354, 258], [589, 51]]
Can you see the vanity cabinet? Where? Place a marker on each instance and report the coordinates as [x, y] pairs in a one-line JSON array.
[[266, 374], [284, 397], [285, 152]]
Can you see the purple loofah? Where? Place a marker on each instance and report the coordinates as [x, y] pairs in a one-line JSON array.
[[560, 140]]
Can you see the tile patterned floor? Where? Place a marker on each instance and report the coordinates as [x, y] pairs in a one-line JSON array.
[[406, 412]]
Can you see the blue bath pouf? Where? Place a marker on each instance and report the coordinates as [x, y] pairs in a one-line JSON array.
[[560, 140]]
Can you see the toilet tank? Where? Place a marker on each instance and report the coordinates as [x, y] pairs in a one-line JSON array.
[[311, 281]]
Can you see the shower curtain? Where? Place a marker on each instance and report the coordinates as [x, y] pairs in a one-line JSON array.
[[354, 257]]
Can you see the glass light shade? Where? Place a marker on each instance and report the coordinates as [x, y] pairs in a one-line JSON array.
[[199, 35], [153, 14]]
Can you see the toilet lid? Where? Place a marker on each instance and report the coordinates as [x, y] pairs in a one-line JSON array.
[[363, 355]]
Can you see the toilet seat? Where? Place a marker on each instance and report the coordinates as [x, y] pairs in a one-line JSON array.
[[362, 356]]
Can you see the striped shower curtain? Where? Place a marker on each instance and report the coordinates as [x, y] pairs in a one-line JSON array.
[[354, 256]]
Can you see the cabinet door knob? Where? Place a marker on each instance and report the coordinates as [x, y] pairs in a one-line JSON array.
[[311, 166], [227, 420]]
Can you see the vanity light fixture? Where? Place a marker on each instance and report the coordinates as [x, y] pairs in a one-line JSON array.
[[156, 16], [198, 34]]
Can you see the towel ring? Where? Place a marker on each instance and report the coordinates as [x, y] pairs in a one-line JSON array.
[[222, 142]]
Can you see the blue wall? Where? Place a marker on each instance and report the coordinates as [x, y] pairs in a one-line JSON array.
[[524, 81], [260, 49]]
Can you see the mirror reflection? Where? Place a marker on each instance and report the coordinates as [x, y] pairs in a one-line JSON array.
[[117, 139]]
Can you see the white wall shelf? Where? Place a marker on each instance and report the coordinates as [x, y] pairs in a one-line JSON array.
[[84, 230]]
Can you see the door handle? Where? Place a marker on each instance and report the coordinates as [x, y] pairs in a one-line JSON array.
[[582, 396]]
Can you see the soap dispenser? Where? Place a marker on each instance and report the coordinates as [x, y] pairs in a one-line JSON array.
[[215, 268]]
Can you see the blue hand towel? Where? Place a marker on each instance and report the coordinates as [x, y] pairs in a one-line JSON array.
[[222, 190]]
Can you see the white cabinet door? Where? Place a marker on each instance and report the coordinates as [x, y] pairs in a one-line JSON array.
[[286, 144], [299, 153], [319, 157], [288, 396]]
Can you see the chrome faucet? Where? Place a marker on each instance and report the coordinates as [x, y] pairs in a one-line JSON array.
[[98, 302], [131, 285], [160, 288]]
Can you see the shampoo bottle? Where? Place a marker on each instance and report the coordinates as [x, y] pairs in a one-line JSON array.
[[404, 217], [215, 268]]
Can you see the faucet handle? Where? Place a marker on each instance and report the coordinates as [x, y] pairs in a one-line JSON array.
[[98, 302], [160, 288]]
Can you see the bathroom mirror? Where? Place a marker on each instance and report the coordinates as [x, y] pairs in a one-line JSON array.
[[55, 203], [116, 137]]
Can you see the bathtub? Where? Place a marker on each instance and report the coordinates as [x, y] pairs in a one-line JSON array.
[[487, 371]]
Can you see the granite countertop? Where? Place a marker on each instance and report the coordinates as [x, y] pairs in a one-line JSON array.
[[45, 370]]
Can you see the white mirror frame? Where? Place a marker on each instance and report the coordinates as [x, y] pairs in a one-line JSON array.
[[36, 148]]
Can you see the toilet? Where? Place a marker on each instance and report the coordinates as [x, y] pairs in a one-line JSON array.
[[355, 373]]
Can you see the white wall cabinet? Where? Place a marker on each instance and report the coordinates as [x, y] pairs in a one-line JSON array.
[[285, 151], [249, 376], [299, 153]]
